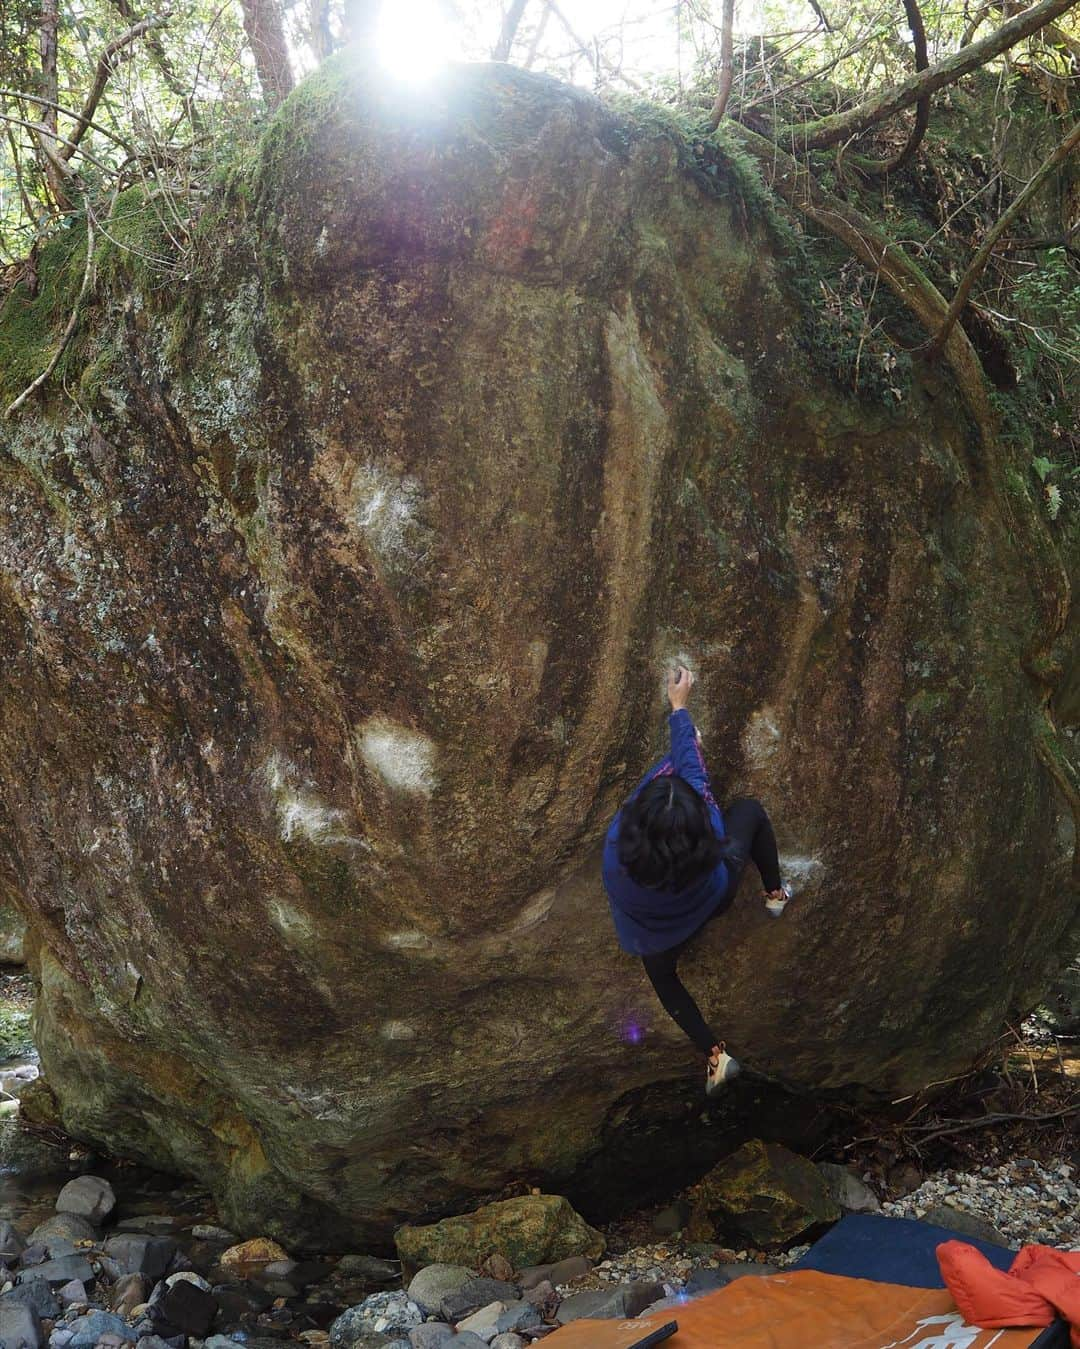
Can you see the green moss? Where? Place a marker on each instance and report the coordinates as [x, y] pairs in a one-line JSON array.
[[31, 325]]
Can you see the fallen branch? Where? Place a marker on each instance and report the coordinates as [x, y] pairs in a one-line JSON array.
[[930, 1132]]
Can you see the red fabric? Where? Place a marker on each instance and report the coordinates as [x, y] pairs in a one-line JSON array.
[[1041, 1284]]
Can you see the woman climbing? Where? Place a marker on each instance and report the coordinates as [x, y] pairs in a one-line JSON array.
[[672, 862]]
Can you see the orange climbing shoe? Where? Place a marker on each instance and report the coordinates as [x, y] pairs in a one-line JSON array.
[[718, 1074]]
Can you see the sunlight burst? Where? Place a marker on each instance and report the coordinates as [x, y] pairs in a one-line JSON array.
[[415, 41]]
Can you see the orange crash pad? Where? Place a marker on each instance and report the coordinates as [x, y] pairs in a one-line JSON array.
[[801, 1310]]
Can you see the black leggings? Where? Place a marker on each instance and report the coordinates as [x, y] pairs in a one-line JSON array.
[[750, 836]]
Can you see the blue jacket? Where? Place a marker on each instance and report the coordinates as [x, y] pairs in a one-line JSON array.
[[650, 921]]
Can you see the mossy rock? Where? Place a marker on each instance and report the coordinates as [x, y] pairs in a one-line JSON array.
[[536, 1229], [765, 1194]]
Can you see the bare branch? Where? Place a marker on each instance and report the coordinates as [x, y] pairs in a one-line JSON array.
[[982, 257]]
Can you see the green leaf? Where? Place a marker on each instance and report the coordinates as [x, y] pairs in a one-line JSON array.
[[1043, 467]]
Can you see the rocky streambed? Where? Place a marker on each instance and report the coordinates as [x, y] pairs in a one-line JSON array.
[[100, 1263]]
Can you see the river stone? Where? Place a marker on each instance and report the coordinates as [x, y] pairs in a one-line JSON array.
[[521, 1316], [483, 1322], [434, 1282], [249, 1254], [967, 1224], [476, 1293], [507, 1340], [387, 1314], [20, 1325], [11, 1243], [707, 1279], [765, 1194], [849, 1192], [38, 1294], [562, 1271], [134, 1253], [450, 383], [529, 1230], [624, 1300], [59, 1271], [431, 1335], [69, 1227], [87, 1330], [91, 1197]]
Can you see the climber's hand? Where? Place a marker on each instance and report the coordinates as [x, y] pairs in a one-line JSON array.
[[679, 681]]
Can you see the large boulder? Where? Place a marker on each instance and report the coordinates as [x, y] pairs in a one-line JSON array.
[[335, 602], [765, 1194]]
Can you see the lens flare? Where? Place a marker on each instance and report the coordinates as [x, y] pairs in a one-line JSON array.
[[415, 41]]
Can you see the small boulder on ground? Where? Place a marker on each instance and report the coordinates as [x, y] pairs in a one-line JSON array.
[[533, 1229], [965, 1224], [20, 1326], [434, 1282], [37, 1294], [475, 1294], [388, 1314], [431, 1335], [88, 1330], [133, 1253], [622, 1302], [59, 1271], [561, 1272], [849, 1192], [90, 1197], [764, 1194], [64, 1227], [257, 1251]]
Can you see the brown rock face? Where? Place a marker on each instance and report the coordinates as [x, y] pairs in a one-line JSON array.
[[335, 618]]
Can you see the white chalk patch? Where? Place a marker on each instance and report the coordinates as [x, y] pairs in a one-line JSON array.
[[802, 871], [761, 739], [408, 941], [397, 1030], [386, 514], [289, 921], [403, 758], [301, 814]]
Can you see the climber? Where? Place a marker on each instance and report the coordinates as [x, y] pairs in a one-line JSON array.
[[672, 862]]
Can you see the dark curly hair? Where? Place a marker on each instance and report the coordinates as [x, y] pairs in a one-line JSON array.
[[666, 836]]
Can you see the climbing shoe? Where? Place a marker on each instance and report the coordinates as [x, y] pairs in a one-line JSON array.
[[776, 905], [719, 1074]]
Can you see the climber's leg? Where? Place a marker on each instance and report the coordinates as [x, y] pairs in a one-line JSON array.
[[677, 1002], [751, 836]]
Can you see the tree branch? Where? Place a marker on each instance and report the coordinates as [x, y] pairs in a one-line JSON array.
[[266, 38], [841, 126], [922, 108], [727, 70], [982, 257]]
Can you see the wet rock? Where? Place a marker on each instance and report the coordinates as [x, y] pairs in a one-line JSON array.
[[152, 1224], [59, 1271], [529, 1230], [474, 1294], [431, 1335], [208, 1232], [69, 1227], [189, 1276], [257, 1251], [89, 1197], [518, 1316], [434, 1282], [625, 1300], [765, 1194], [11, 1243], [87, 1330], [849, 1192], [134, 1253], [483, 1322], [370, 1267], [389, 1314], [69, 1293], [966, 1224], [37, 1294], [561, 1272], [186, 1307], [20, 1325], [128, 1291]]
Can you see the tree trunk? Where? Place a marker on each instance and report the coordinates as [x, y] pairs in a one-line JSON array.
[[841, 126], [727, 71], [319, 35], [266, 37], [501, 51], [46, 140], [922, 108]]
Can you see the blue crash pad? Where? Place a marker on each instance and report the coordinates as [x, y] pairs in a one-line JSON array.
[[890, 1250]]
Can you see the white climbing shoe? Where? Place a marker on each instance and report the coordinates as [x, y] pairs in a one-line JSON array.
[[718, 1074], [777, 906]]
